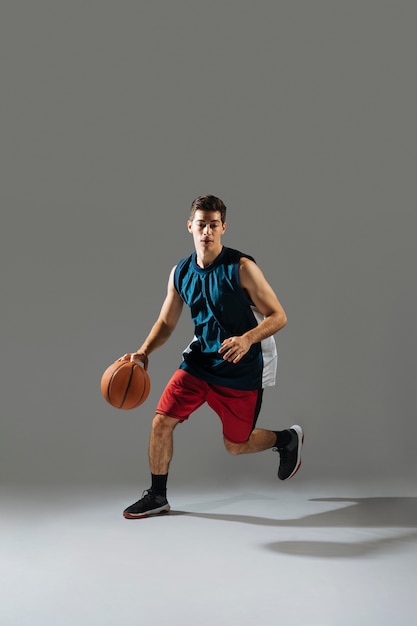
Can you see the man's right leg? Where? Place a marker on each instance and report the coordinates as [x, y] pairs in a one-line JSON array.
[[161, 443], [161, 447], [182, 396]]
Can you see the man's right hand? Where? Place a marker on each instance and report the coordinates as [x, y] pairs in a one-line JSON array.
[[136, 357]]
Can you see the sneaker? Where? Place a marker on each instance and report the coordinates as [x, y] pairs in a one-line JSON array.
[[149, 504], [290, 455]]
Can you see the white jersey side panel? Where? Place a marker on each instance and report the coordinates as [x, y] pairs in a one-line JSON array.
[[269, 355]]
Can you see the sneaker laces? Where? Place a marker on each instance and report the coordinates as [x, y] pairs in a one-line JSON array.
[[283, 454], [148, 494]]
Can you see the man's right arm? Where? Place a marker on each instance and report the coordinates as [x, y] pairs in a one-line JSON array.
[[164, 326]]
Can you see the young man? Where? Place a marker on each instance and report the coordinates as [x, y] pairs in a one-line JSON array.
[[231, 358]]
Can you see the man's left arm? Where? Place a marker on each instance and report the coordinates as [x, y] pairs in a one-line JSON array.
[[266, 301]]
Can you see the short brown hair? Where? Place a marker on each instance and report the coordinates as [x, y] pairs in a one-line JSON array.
[[208, 203]]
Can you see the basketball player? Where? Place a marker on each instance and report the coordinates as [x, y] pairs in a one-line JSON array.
[[230, 360]]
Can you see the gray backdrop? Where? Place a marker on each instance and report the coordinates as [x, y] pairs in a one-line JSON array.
[[115, 115]]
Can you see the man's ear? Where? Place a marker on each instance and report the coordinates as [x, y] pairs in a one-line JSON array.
[[189, 224]]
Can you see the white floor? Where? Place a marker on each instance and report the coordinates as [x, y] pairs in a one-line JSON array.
[[295, 554]]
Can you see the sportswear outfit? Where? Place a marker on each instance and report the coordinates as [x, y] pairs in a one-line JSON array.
[[220, 308]]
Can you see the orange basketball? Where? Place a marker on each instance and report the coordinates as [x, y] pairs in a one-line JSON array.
[[125, 385]]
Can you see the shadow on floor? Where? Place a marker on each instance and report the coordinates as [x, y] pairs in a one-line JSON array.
[[376, 512], [341, 549], [355, 513]]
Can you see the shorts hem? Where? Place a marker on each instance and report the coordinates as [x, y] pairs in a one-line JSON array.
[[175, 417]]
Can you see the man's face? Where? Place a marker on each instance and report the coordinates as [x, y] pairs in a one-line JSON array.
[[207, 229]]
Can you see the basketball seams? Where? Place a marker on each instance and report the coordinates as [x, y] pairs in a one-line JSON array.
[[132, 369], [144, 387], [109, 384]]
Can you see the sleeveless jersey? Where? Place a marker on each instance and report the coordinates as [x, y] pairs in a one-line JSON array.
[[221, 308]]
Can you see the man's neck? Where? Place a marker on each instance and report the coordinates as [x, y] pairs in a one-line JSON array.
[[207, 257]]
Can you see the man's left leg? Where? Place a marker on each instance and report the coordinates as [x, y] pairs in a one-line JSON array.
[[287, 442], [239, 411]]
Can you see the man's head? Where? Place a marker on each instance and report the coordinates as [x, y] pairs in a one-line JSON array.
[[207, 225], [208, 203]]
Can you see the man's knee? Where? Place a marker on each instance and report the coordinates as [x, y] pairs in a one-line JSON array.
[[163, 423], [234, 448]]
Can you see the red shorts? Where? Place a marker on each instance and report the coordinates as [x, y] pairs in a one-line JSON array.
[[237, 409]]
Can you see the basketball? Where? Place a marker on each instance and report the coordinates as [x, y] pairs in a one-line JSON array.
[[125, 385]]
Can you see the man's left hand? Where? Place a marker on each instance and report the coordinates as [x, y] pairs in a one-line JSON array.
[[234, 348]]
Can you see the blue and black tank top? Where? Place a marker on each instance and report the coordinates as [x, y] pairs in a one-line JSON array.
[[221, 308]]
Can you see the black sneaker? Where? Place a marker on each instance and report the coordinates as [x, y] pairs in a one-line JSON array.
[[290, 455], [149, 504]]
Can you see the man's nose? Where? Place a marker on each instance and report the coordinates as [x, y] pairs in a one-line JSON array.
[[207, 228]]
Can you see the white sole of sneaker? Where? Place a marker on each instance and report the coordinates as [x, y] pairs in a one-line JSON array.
[[161, 511], [300, 434]]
